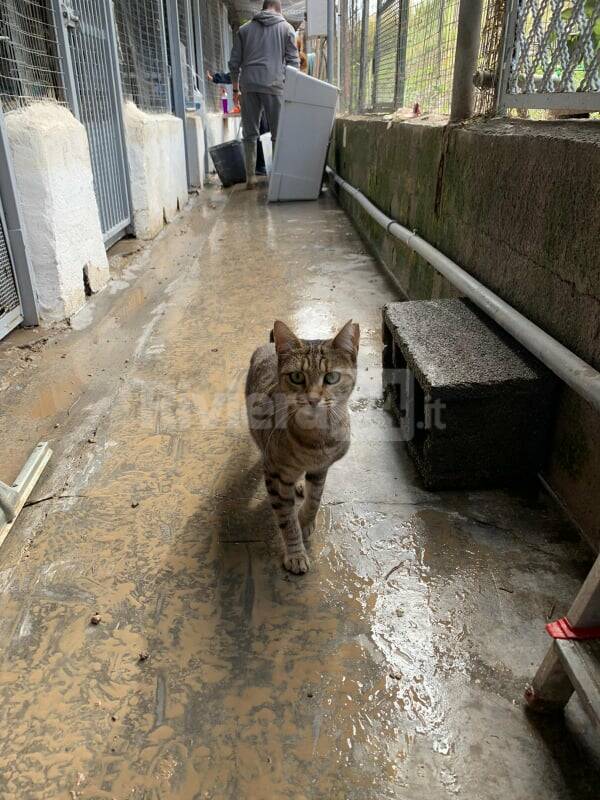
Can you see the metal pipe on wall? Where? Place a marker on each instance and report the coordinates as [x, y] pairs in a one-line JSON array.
[[468, 38], [576, 373]]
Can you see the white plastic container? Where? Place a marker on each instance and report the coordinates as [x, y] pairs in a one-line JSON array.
[[304, 129]]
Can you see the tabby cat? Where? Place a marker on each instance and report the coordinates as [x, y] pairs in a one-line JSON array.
[[297, 392]]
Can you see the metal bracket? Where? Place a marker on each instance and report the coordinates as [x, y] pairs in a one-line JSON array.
[[13, 498], [70, 17]]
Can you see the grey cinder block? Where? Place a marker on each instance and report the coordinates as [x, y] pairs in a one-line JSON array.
[[474, 407]]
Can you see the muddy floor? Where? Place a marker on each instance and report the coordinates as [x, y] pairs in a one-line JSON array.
[[394, 669]]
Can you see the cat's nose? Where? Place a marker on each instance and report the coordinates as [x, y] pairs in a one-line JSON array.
[[313, 399]]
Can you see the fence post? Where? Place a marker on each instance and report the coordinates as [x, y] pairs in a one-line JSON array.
[[199, 49], [61, 21], [376, 53], [364, 51], [344, 57], [465, 60], [177, 75], [165, 51], [14, 232], [330, 41], [401, 54], [506, 53]]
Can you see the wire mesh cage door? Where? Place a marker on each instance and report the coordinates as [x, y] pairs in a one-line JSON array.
[[94, 78], [552, 55], [11, 313]]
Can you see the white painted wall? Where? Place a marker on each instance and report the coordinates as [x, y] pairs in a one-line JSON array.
[[220, 129], [55, 189], [195, 134], [156, 154]]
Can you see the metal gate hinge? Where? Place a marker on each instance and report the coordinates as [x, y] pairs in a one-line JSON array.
[[70, 17]]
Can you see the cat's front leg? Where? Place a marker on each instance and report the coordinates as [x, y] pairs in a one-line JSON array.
[[313, 491], [282, 493]]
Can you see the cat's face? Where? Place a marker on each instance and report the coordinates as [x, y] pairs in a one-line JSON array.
[[316, 376]]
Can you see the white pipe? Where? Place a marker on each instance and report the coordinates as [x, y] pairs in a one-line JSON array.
[[576, 373]]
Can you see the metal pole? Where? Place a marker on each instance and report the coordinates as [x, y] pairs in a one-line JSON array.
[[177, 75], [115, 71], [465, 60], [376, 54], [199, 49], [509, 46], [14, 230], [401, 54], [330, 41], [364, 49], [165, 52], [63, 21]]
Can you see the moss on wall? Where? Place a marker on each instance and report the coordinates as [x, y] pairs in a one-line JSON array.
[[515, 204]]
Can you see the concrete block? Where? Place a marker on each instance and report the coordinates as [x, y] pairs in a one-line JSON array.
[[474, 407], [156, 155], [55, 188], [195, 134]]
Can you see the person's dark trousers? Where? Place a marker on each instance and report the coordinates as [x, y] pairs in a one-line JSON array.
[[254, 104], [261, 167]]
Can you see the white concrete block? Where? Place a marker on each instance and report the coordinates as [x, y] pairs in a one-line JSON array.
[[174, 176], [195, 134], [55, 189], [156, 155]]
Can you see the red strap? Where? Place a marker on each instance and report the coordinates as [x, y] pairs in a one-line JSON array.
[[561, 629]]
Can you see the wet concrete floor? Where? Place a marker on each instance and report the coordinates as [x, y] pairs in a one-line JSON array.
[[394, 669]]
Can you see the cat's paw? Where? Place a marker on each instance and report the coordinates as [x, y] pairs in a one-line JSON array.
[[297, 563]]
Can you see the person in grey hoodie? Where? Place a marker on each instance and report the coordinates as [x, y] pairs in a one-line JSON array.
[[262, 49]]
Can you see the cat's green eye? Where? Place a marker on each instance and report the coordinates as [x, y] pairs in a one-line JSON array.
[[296, 377], [332, 377]]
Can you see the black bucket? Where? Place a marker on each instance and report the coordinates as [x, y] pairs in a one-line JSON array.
[[228, 159]]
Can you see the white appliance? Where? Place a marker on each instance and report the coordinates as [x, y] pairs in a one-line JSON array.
[[316, 17], [304, 129]]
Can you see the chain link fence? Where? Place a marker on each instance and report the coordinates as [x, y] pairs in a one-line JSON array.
[[214, 47], [552, 56], [30, 68], [401, 54], [142, 53], [534, 54], [186, 47]]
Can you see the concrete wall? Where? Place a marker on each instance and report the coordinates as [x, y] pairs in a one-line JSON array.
[[56, 196], [156, 155], [197, 149], [516, 204]]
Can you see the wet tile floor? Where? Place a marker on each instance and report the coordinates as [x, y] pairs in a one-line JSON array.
[[394, 669]]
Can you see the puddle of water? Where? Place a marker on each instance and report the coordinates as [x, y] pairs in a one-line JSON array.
[[57, 397]]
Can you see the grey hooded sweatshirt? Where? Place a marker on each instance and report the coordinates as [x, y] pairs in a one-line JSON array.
[[261, 51]]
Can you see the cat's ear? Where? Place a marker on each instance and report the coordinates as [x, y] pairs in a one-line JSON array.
[[285, 340], [348, 338]]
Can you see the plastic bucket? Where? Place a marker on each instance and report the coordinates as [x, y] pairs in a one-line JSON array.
[[228, 159]]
